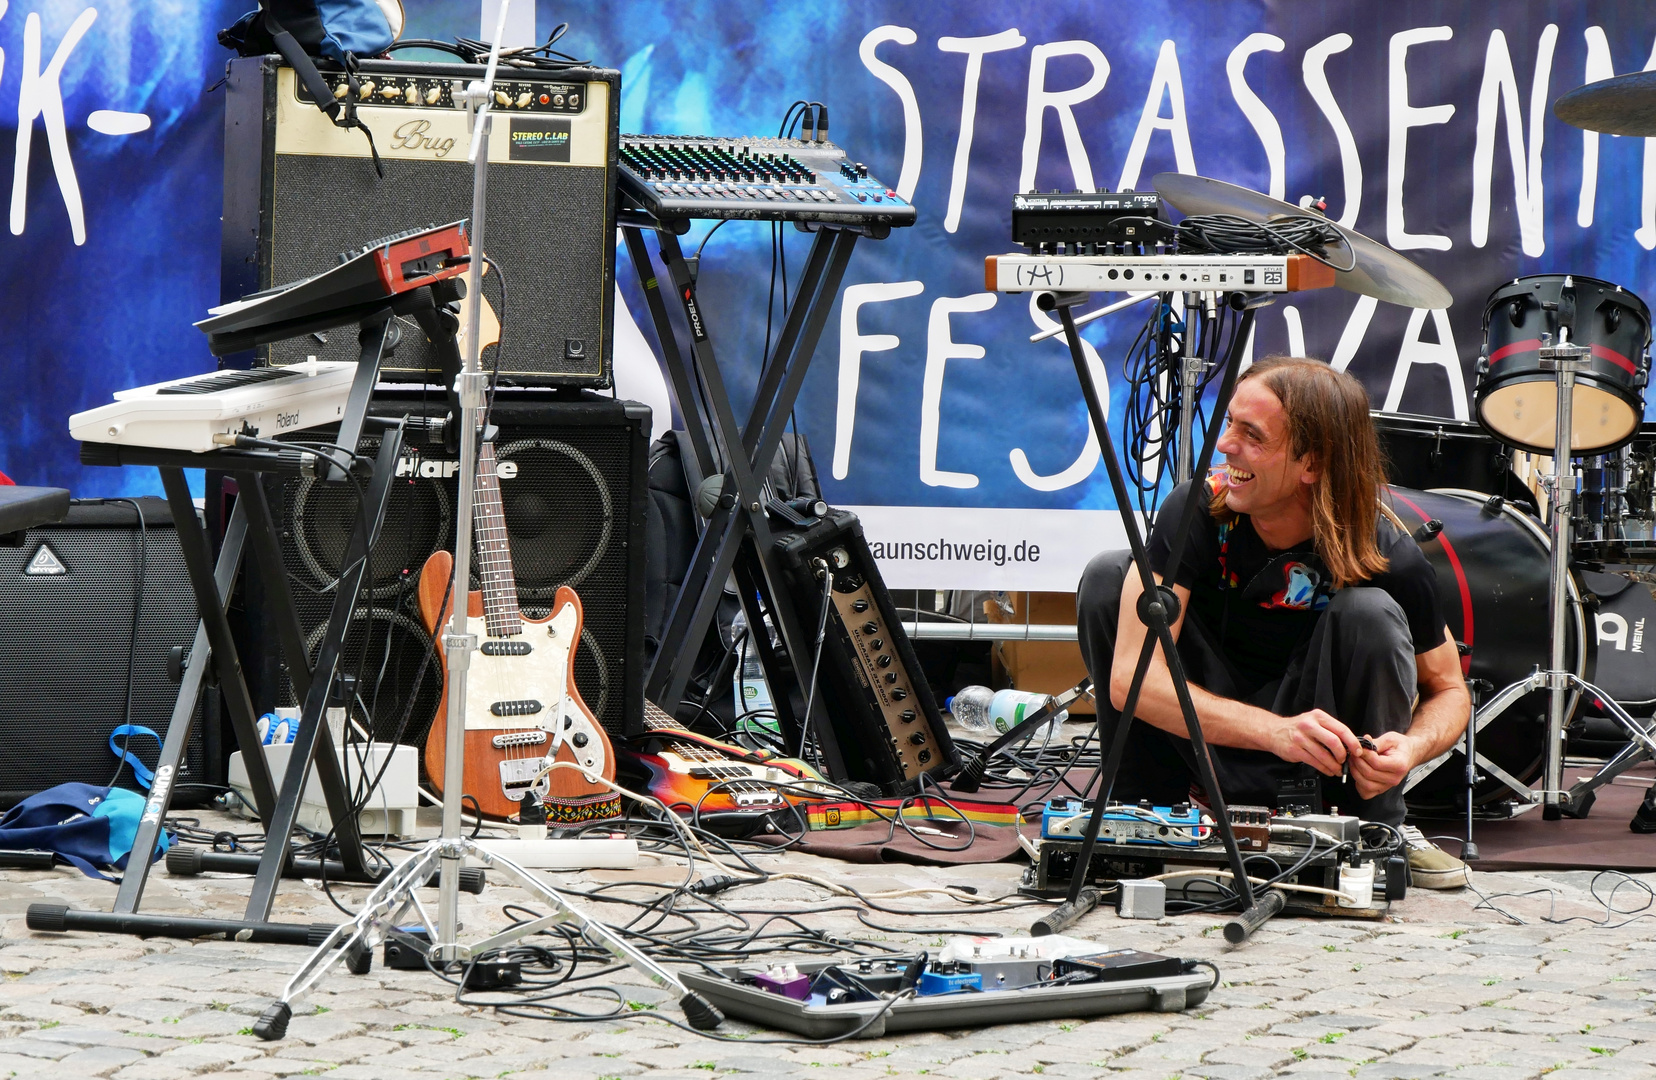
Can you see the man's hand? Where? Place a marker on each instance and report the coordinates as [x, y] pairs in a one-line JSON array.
[[1316, 739], [1384, 767]]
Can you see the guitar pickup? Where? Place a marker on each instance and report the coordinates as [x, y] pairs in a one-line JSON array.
[[518, 738], [517, 647], [515, 708]]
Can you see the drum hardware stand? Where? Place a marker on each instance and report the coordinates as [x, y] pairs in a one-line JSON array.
[[1158, 609], [1193, 370], [1476, 688], [395, 896], [1565, 361]]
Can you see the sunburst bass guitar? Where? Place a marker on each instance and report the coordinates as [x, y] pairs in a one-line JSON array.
[[694, 775], [523, 709]]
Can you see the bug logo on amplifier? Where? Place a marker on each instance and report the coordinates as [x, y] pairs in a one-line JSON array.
[[413, 136]]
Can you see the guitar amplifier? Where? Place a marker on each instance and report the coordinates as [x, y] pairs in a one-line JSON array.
[[880, 708], [299, 191], [574, 496]]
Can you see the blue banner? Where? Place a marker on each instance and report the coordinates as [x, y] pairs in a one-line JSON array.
[[1425, 125]]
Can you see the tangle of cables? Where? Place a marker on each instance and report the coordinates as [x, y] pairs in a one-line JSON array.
[[1155, 373], [542, 57]]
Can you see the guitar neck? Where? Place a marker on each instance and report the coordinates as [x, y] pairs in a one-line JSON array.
[[494, 557]]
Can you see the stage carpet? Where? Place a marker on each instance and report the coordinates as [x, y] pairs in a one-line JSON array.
[[1601, 841]]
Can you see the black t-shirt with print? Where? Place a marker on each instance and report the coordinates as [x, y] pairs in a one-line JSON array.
[[1260, 604]]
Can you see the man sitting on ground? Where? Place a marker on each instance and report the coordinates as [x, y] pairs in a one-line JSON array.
[[1306, 620]]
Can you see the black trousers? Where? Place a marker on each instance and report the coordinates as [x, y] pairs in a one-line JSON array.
[[1357, 664]]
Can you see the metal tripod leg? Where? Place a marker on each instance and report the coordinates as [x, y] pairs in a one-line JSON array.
[[395, 895], [1641, 747]]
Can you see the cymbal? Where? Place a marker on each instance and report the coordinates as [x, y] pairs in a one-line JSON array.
[[1624, 105], [1380, 272]]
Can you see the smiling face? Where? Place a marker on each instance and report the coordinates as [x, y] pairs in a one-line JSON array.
[[1264, 479]]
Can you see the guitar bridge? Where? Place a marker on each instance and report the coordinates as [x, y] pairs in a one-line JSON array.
[[518, 777]]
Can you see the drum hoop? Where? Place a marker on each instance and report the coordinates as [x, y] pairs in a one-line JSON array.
[[1638, 303], [1583, 643]]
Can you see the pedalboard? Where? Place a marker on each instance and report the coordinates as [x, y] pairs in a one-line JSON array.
[[1174, 826], [1056, 864], [869, 998]]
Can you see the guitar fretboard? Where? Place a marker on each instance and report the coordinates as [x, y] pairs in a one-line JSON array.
[[494, 557]]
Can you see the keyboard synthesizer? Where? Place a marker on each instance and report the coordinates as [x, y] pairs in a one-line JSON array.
[[678, 178], [185, 414]]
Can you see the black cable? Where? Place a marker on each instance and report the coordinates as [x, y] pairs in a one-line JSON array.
[[132, 638], [816, 658], [473, 51]]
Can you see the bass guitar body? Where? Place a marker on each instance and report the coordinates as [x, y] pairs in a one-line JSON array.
[[523, 710], [699, 779]]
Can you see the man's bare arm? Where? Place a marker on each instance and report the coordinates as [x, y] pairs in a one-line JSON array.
[[1315, 738]]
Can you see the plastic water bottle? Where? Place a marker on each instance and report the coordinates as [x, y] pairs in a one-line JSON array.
[[982, 710], [752, 691]]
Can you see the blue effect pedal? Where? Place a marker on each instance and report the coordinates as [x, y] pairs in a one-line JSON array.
[[1175, 826], [948, 982]]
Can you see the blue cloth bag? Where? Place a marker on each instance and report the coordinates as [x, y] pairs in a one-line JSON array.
[[90, 828]]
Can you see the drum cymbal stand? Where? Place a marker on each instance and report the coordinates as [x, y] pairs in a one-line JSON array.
[[1565, 360], [396, 895]]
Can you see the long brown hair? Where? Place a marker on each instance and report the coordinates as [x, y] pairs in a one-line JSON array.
[[1329, 422]]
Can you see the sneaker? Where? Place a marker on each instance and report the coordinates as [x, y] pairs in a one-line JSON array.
[[1430, 867]]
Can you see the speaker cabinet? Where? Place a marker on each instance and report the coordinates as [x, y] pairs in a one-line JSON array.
[[93, 606], [298, 191], [573, 489]]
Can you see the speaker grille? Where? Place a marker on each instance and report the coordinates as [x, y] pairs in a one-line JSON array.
[[64, 645], [574, 516], [549, 241]]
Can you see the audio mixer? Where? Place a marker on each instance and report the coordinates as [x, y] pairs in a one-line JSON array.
[[678, 178]]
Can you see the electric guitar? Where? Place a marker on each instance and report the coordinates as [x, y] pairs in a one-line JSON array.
[[523, 709], [689, 773]]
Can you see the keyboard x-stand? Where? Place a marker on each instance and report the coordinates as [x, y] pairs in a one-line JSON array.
[[413, 275], [737, 537]]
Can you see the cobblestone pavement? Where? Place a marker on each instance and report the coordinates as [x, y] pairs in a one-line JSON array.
[[1439, 989]]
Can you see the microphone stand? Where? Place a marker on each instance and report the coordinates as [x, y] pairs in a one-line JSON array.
[[395, 897]]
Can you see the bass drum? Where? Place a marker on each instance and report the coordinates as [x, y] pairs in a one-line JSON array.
[[1492, 567]]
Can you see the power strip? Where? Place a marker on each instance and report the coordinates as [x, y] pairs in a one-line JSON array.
[[595, 854]]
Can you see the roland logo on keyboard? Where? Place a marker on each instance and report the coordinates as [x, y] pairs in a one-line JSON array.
[[434, 469], [287, 420]]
